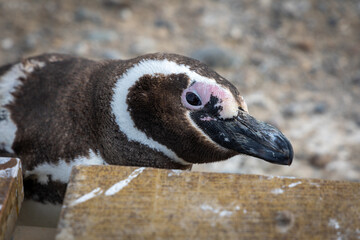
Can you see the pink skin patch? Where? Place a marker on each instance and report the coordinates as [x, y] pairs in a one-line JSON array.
[[204, 91]]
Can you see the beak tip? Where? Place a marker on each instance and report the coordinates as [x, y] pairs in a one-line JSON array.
[[288, 154], [291, 153], [283, 155]]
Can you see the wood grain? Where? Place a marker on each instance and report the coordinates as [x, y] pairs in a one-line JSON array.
[[11, 195], [166, 204]]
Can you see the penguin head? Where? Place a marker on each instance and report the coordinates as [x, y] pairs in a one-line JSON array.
[[181, 108]]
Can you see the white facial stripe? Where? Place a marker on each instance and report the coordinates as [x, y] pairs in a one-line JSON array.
[[120, 107], [152, 67], [61, 171], [9, 83]]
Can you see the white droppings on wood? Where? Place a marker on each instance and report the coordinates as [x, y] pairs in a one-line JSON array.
[[291, 185], [315, 184], [225, 213], [334, 223], [207, 207], [277, 191], [222, 213], [90, 195], [11, 172], [280, 177], [174, 172], [120, 185]]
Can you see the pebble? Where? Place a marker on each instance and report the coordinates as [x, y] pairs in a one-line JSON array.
[[236, 33], [214, 56], [7, 43], [332, 21], [112, 54], [343, 169], [119, 4], [143, 46], [290, 110], [319, 160], [329, 64], [320, 108], [83, 14], [303, 45], [125, 13], [292, 8], [31, 41], [356, 118], [355, 81], [101, 35], [81, 48], [161, 23]]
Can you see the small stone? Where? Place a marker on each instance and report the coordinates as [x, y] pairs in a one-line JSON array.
[[332, 21], [111, 54], [7, 43], [142, 46], [319, 160], [342, 169], [290, 111], [329, 64], [356, 118], [83, 14], [161, 23], [355, 81], [119, 4], [305, 46], [255, 61], [236, 33], [320, 108], [81, 48], [214, 56], [125, 13], [102, 35], [292, 8], [51, 7], [31, 41]]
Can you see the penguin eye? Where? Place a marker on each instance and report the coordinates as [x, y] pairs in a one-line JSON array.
[[193, 99]]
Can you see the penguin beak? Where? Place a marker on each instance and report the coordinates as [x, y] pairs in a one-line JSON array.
[[246, 135]]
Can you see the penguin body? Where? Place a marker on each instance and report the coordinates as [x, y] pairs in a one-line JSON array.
[[157, 110]]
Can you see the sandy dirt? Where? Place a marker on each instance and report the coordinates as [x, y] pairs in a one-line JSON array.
[[296, 62]]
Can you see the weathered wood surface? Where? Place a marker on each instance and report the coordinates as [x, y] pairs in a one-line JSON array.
[[11, 195], [113, 202], [33, 233]]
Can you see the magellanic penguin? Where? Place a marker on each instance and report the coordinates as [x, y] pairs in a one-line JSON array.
[[157, 110]]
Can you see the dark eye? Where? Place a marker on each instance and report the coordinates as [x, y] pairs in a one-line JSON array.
[[193, 99]]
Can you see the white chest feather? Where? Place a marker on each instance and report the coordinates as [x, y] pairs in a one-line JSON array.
[[61, 171], [9, 83]]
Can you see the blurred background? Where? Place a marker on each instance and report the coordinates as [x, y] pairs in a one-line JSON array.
[[296, 62]]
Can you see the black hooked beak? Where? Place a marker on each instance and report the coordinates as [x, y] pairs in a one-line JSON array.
[[246, 135]]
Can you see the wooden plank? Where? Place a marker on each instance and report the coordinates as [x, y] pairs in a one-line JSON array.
[[11, 195], [113, 202], [33, 233]]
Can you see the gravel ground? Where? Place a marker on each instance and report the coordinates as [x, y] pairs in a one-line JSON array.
[[296, 62]]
